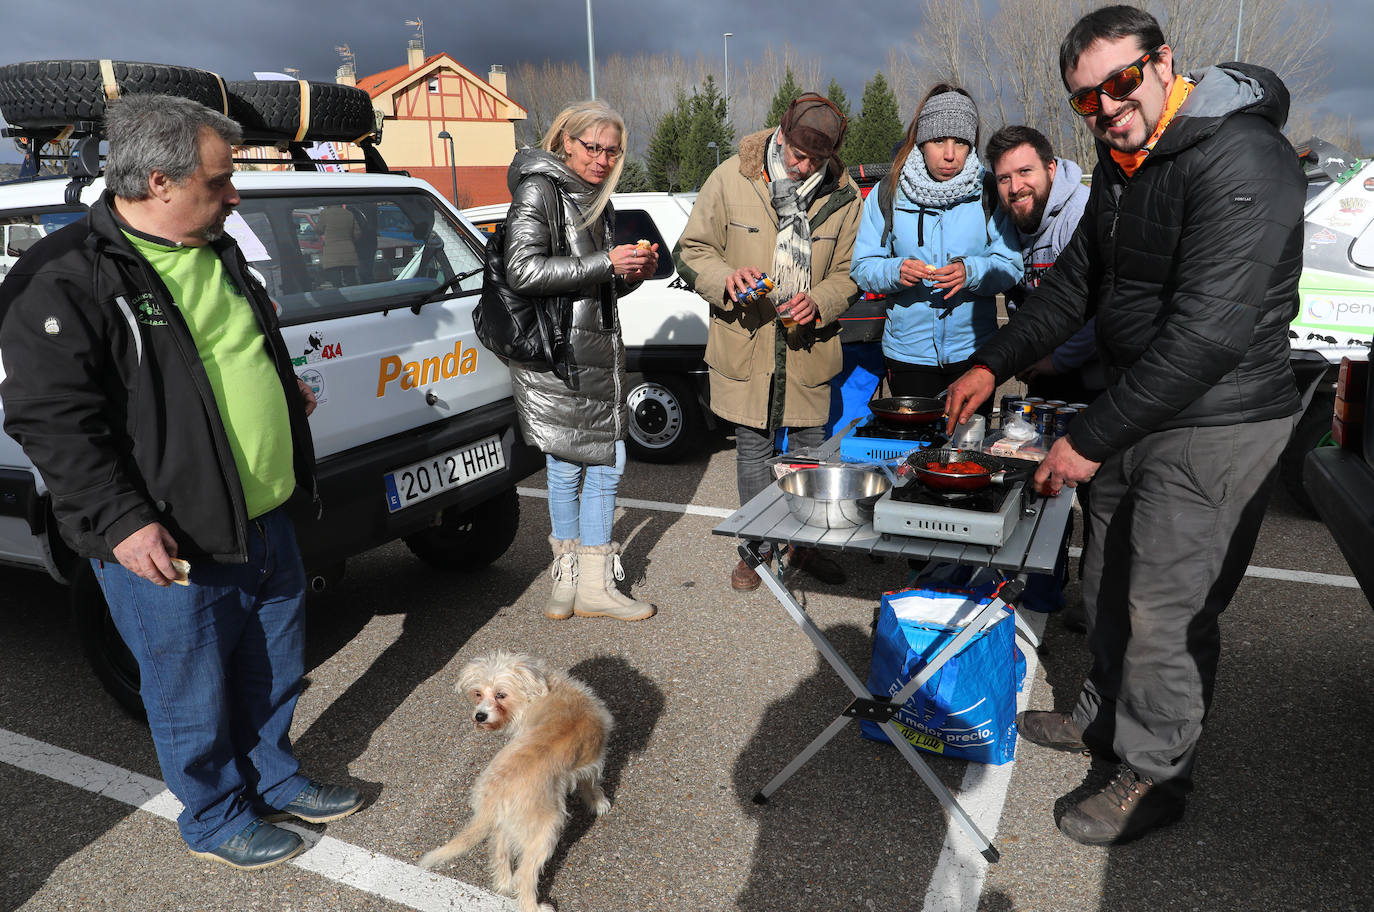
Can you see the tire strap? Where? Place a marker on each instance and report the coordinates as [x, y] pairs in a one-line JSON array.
[[223, 94], [107, 79], [305, 110]]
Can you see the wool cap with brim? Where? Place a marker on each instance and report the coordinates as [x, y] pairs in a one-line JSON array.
[[814, 127], [948, 114]]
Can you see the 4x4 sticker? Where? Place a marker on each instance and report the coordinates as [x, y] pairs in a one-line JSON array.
[[412, 374], [319, 350]]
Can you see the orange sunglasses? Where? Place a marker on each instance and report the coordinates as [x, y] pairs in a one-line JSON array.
[[1118, 86]]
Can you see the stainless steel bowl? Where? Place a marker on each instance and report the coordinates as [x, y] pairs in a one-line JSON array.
[[834, 497]]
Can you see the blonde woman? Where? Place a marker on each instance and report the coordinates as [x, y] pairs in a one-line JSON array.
[[559, 245]]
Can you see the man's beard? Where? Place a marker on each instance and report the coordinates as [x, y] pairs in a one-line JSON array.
[[1032, 218], [215, 230]]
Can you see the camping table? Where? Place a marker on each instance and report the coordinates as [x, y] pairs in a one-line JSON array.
[[1032, 547]]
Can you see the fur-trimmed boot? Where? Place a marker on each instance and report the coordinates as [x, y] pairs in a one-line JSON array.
[[564, 573], [597, 595]]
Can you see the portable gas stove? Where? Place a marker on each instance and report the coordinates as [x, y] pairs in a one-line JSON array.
[[874, 441], [983, 517]]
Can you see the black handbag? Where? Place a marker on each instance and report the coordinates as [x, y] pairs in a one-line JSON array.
[[529, 330]]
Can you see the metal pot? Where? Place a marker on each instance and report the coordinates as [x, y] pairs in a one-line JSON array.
[[907, 409], [834, 497], [994, 472]]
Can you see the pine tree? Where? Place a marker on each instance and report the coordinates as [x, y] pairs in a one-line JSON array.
[[878, 130], [663, 159], [705, 124], [634, 177], [783, 98], [837, 97]]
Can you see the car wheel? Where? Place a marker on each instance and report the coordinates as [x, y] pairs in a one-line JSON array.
[[665, 420], [469, 539], [55, 93], [273, 107], [1313, 430], [105, 650]]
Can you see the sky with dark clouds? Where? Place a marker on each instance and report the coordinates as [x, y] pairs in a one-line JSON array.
[[235, 38]]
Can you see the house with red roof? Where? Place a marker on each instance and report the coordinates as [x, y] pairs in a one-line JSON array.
[[432, 94]]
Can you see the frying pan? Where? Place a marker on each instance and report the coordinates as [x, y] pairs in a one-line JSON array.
[[907, 409], [993, 470]]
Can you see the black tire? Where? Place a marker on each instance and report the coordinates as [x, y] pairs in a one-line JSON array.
[[1313, 430], [666, 423], [469, 539], [272, 108], [867, 175], [105, 650], [54, 93]]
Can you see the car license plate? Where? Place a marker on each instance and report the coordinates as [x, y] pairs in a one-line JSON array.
[[408, 486]]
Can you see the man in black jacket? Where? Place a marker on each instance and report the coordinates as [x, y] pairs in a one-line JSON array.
[[1188, 255], [146, 378]]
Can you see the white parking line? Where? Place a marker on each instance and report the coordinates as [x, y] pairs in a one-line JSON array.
[[335, 859]]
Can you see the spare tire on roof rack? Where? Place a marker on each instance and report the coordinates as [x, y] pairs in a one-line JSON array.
[[49, 94], [297, 110]]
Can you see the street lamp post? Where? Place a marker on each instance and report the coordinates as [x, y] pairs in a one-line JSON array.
[[1240, 13], [727, 75], [713, 145], [452, 163], [591, 49]]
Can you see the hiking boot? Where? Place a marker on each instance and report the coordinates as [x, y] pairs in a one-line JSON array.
[[1051, 729], [598, 569], [815, 564], [744, 578], [1126, 809]]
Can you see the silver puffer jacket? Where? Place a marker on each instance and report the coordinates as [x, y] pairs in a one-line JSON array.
[[580, 421]]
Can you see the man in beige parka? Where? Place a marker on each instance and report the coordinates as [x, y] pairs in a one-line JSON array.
[[783, 206]]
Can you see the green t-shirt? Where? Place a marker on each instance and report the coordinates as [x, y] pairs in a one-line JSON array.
[[235, 356]]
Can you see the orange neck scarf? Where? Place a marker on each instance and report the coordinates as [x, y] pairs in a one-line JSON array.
[[1130, 162]]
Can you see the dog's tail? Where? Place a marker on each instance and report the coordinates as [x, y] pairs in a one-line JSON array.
[[477, 829]]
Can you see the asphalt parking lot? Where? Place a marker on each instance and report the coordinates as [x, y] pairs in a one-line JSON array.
[[711, 698]]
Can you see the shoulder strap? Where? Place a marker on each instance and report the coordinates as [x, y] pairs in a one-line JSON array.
[[885, 195], [558, 241]]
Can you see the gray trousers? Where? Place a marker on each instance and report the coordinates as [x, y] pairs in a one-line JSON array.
[[753, 449], [1173, 521]]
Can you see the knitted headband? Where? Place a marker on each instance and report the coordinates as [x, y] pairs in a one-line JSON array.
[[948, 114]]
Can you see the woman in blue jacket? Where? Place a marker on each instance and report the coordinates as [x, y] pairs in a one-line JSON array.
[[945, 259]]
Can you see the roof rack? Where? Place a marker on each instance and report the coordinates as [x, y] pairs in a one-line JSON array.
[[84, 162]]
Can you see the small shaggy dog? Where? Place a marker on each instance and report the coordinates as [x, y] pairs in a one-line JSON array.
[[558, 730]]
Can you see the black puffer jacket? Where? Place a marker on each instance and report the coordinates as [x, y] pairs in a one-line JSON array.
[[105, 391], [1191, 267]]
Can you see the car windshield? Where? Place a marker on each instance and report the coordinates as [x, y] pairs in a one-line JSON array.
[[324, 256]]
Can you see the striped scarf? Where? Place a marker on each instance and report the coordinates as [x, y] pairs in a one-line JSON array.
[[792, 257]]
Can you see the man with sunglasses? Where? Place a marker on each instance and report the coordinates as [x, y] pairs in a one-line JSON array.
[[784, 206], [1188, 256]]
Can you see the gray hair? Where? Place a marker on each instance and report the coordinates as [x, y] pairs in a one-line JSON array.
[[150, 133]]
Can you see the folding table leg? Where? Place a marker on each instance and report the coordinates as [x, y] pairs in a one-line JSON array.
[[942, 794]]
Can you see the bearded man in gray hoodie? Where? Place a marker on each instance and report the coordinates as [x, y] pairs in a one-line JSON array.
[[1045, 196]]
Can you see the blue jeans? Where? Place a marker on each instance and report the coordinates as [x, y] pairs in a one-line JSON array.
[[221, 662], [582, 498]]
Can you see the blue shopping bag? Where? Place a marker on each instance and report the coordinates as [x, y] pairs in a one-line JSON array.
[[968, 709]]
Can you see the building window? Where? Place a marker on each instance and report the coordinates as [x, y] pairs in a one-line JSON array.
[[434, 85]]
